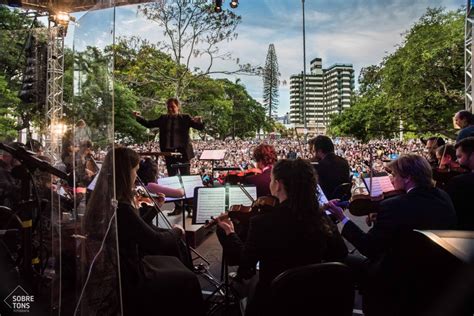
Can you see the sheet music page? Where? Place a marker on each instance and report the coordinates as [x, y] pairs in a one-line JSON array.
[[379, 185], [237, 197], [189, 183], [322, 199], [210, 203]]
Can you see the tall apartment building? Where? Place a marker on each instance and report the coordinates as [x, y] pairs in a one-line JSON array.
[[327, 91]]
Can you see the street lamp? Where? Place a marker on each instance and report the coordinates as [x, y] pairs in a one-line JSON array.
[[304, 75]]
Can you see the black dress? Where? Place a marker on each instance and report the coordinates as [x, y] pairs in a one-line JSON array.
[[276, 240], [158, 283]]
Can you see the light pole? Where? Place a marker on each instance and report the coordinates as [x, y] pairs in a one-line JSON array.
[[304, 76]]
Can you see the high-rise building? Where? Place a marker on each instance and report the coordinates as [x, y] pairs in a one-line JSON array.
[[328, 91]]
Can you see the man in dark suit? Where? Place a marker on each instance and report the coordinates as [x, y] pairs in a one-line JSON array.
[[174, 137], [461, 187], [422, 207], [332, 170], [174, 134]]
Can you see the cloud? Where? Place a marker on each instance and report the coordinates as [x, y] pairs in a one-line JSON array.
[[338, 31]]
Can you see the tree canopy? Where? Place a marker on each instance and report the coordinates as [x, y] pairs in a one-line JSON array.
[[418, 87]]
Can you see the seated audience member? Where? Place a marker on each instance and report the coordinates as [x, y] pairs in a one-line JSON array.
[[294, 233], [461, 187], [331, 169]]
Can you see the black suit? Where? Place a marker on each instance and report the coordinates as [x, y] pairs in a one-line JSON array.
[[421, 208], [277, 241], [332, 171], [174, 137], [461, 191]]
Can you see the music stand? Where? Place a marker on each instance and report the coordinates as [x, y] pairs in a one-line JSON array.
[[213, 155]]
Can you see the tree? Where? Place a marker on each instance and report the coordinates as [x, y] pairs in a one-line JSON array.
[[8, 102], [192, 30], [271, 81], [419, 86], [15, 29]]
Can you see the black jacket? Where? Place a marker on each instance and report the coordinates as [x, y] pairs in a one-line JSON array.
[[421, 208], [461, 191], [332, 171], [276, 240], [179, 132]]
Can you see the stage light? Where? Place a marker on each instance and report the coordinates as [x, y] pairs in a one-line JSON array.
[[218, 6], [234, 4]]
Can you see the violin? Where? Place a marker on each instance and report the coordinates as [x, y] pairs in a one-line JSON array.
[[234, 177], [241, 214], [364, 204], [142, 199]]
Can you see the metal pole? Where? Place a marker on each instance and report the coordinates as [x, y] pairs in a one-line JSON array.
[[304, 75]]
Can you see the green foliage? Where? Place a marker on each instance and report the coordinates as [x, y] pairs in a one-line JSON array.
[[420, 85], [191, 30], [271, 81], [8, 102]]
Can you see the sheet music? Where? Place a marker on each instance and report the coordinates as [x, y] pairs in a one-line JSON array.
[[380, 185], [189, 183], [91, 185], [210, 203], [322, 199], [237, 197]]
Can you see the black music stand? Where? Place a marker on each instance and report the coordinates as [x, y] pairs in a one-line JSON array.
[[213, 155]]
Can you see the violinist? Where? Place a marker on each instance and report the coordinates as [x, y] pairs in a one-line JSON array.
[[422, 207], [461, 187], [447, 167], [265, 157], [142, 280], [294, 233]]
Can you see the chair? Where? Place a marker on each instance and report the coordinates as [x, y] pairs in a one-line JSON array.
[[324, 288]]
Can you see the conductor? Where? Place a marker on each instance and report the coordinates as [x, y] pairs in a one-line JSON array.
[[174, 134]]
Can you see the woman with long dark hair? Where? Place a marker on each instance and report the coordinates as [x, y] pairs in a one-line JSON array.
[[149, 283], [294, 233]]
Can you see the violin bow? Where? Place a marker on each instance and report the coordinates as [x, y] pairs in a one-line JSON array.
[[246, 192], [442, 156]]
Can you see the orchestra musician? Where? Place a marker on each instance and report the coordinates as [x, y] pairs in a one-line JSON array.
[[447, 167], [332, 170], [294, 233], [148, 174], [461, 188], [465, 120], [174, 137], [422, 207], [431, 145], [143, 282], [265, 156]]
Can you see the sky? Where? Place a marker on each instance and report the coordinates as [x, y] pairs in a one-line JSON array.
[[354, 32]]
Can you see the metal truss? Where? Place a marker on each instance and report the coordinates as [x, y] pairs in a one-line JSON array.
[[54, 89]]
